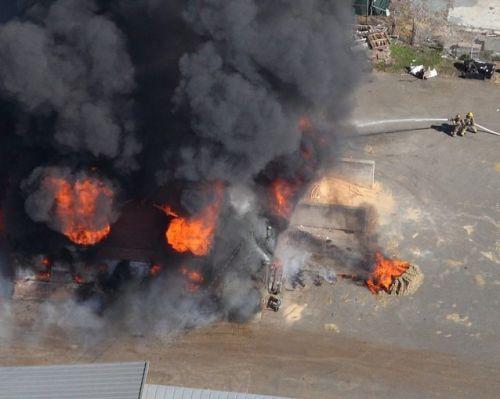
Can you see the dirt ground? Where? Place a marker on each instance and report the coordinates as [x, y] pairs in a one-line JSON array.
[[289, 361], [341, 341]]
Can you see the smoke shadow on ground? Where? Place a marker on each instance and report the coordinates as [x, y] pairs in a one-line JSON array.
[[360, 136]]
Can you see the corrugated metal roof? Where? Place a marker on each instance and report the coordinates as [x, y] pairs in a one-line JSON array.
[[171, 392], [86, 381]]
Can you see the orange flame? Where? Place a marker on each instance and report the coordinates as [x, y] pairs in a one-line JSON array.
[[282, 192], [46, 262], [195, 278], [43, 276], [76, 205], [195, 234], [154, 270], [305, 123], [167, 210], [384, 273]]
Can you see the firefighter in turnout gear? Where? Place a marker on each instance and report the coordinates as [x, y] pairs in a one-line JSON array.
[[469, 122], [458, 125]]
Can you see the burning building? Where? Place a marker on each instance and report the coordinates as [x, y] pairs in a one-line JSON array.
[[155, 150]]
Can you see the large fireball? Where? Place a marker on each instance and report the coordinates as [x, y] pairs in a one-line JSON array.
[[195, 233], [78, 206]]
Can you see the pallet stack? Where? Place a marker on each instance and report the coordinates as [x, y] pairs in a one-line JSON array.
[[379, 43]]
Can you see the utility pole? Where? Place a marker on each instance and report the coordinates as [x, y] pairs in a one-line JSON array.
[[394, 22], [367, 10], [413, 32]]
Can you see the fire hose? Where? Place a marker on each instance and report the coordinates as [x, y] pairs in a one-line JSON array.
[[388, 121]]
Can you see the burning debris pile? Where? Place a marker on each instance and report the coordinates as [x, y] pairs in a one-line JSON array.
[[394, 276], [385, 271], [341, 242], [328, 262], [196, 108], [407, 283]]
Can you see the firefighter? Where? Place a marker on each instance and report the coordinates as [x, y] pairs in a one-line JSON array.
[[469, 122], [458, 125]]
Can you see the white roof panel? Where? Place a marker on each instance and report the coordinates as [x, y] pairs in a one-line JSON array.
[[173, 392], [76, 381]]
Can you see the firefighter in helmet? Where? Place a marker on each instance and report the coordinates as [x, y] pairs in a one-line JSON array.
[[469, 122], [458, 125]]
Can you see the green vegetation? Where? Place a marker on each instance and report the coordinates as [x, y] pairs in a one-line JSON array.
[[402, 56]]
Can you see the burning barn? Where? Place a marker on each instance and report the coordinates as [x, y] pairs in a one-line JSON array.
[[152, 152]]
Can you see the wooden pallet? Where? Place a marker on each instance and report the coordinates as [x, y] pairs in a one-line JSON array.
[[378, 40], [365, 30]]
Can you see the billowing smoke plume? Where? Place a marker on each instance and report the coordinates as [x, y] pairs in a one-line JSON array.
[[167, 100], [68, 63], [241, 124], [297, 47], [259, 67]]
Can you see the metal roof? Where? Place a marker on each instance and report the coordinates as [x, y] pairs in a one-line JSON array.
[[171, 392], [85, 381]]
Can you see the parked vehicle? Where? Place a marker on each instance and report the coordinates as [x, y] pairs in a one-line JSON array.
[[475, 69]]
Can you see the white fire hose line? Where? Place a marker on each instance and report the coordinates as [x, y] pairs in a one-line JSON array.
[[389, 121], [383, 122], [487, 130]]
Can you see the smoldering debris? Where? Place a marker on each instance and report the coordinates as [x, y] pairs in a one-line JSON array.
[[343, 242]]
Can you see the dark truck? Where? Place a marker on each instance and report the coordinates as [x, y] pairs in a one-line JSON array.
[[475, 69]]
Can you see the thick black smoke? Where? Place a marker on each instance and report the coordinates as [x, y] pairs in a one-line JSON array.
[[68, 63], [165, 98], [259, 67], [241, 125], [302, 44]]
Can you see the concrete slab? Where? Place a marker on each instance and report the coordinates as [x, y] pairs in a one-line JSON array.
[[356, 171], [329, 216], [476, 14]]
